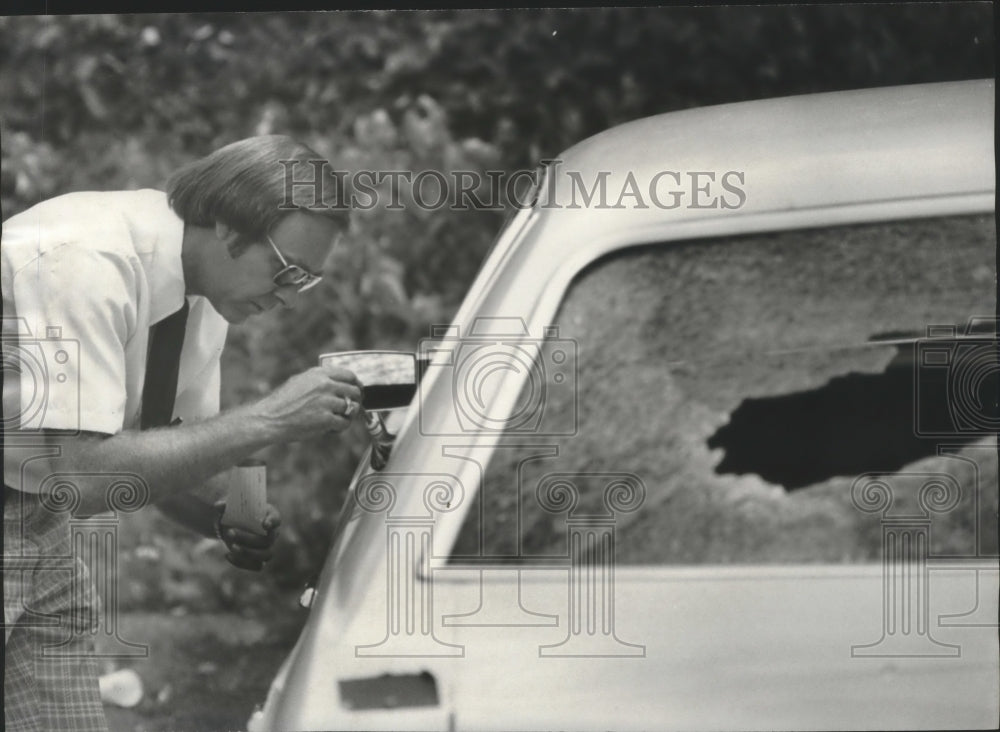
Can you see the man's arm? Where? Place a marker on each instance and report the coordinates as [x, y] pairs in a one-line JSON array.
[[245, 549], [173, 460], [190, 511]]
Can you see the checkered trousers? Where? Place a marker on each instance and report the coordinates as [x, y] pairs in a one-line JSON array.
[[51, 613]]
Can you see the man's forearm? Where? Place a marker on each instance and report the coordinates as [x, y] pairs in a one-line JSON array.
[[191, 512], [169, 460], [172, 460], [196, 510]]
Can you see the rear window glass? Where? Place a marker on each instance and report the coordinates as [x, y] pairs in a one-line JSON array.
[[730, 397]]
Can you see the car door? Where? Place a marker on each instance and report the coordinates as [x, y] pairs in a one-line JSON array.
[[758, 490]]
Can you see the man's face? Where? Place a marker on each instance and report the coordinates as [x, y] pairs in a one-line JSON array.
[[245, 285]]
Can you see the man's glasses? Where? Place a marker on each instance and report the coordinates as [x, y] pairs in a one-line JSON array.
[[292, 274]]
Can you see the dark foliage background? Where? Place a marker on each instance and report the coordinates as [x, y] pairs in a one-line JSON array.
[[107, 102]]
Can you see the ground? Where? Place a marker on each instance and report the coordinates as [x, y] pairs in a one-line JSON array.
[[204, 672]]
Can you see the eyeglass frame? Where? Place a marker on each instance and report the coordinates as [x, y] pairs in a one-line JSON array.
[[304, 279]]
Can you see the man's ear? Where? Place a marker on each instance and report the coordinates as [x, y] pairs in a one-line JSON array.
[[230, 238]]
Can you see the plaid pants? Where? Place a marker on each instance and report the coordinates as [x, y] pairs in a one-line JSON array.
[[51, 612]]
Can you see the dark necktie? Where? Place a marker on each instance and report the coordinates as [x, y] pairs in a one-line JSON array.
[[162, 366]]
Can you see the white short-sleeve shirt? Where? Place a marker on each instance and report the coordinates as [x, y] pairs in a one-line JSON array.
[[84, 276]]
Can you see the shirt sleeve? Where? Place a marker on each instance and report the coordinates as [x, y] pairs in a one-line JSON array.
[[80, 308]]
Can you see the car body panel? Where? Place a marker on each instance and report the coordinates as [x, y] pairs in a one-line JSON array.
[[823, 160], [735, 667], [763, 654]]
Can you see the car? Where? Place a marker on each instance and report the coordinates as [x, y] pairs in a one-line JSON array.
[[710, 444]]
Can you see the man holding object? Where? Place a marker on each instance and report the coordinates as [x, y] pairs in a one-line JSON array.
[[124, 299]]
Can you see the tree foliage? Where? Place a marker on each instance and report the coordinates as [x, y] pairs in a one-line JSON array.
[[107, 102]]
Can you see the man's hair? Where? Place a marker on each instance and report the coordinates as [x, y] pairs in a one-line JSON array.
[[244, 185]]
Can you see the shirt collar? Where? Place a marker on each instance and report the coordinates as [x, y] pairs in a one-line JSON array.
[[158, 235]]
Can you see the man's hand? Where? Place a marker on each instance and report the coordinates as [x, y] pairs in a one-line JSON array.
[[312, 403], [247, 550]]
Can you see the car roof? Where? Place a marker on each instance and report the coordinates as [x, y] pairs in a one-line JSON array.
[[814, 160], [806, 151]]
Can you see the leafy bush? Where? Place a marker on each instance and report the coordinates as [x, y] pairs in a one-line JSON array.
[[108, 102]]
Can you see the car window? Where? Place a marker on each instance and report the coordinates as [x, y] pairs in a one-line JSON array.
[[726, 399]]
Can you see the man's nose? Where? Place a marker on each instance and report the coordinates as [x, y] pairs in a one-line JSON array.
[[288, 296]]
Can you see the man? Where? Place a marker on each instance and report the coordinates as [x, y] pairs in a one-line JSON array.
[[88, 393]]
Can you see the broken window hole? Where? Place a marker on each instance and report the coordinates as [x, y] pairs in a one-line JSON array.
[[855, 424]]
